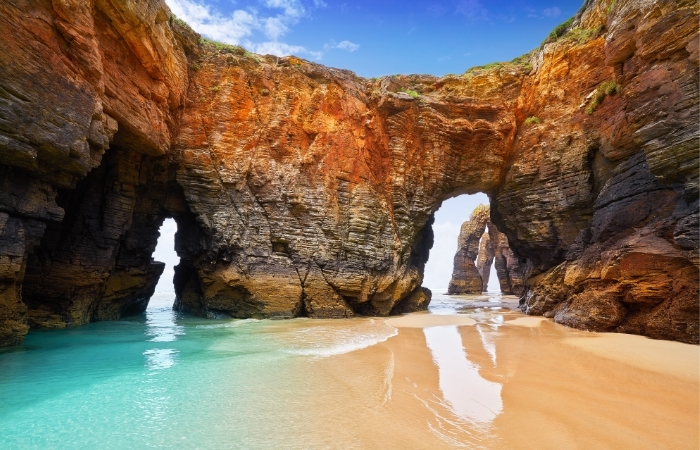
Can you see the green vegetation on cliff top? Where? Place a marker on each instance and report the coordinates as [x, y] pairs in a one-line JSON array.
[[411, 92], [522, 63], [221, 47]]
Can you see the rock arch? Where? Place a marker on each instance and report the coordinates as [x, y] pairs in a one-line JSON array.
[[479, 245], [304, 190]]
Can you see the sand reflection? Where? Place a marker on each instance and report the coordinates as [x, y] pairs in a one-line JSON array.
[[471, 396]]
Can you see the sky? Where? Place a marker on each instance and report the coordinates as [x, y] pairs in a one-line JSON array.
[[165, 252], [375, 38]]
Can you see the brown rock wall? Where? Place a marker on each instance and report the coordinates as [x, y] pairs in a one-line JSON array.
[[304, 190], [510, 270], [466, 276], [72, 73], [606, 191]]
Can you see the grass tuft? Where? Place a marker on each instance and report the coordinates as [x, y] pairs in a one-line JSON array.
[[522, 62], [559, 31], [580, 35], [176, 20], [532, 120], [411, 92], [604, 89], [568, 33], [221, 47]]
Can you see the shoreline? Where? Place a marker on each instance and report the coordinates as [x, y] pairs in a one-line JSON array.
[[455, 376]]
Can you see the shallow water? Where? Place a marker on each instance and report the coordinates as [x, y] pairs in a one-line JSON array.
[[474, 377]]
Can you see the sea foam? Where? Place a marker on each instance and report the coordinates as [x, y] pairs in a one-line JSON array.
[[330, 340]]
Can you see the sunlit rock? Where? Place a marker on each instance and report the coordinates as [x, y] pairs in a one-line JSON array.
[[305, 190]]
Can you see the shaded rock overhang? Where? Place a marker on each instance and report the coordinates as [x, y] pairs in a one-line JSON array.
[[305, 190]]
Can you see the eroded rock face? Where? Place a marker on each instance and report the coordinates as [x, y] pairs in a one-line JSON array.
[[510, 270], [466, 276], [78, 78], [612, 195], [310, 183], [304, 190], [484, 259], [472, 268]]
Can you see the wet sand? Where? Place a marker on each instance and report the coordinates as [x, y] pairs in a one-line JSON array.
[[427, 320], [495, 379]]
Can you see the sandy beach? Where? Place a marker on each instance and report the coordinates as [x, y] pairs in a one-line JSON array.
[[496, 379]]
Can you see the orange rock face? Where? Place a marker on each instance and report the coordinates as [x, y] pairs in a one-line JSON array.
[[305, 190], [315, 187]]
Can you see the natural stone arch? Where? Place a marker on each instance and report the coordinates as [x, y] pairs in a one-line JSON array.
[[322, 207], [96, 263], [308, 190]]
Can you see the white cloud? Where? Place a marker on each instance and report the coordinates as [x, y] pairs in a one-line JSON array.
[[241, 26], [342, 45], [276, 48], [347, 45], [201, 18], [292, 8], [552, 12], [275, 28]]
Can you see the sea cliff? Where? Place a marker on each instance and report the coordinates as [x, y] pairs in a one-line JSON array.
[[305, 190]]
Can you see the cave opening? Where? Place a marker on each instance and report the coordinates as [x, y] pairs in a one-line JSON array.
[[446, 229], [164, 294]]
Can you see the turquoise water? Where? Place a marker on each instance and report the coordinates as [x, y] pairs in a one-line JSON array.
[[472, 375], [164, 379]]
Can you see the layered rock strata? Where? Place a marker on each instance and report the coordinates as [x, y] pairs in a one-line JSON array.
[[78, 79], [510, 270], [480, 244], [304, 190], [484, 260], [611, 191], [466, 276]]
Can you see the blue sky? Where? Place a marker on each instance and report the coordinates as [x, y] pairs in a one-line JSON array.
[[375, 38]]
